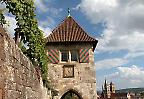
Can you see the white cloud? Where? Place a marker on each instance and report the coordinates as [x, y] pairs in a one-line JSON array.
[[44, 6], [110, 63], [55, 11], [134, 54], [113, 42], [132, 72], [2, 5], [124, 21], [46, 26], [128, 76], [47, 22], [97, 10], [41, 5], [46, 30], [11, 25]]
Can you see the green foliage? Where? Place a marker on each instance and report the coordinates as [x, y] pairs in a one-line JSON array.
[[31, 35], [2, 18]]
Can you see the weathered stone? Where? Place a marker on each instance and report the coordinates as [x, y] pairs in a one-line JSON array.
[[84, 74], [18, 77], [12, 94], [1, 93], [2, 52], [10, 85]]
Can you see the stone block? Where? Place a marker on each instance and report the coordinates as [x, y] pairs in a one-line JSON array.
[[17, 54], [2, 52], [1, 93], [19, 87], [13, 94], [10, 85]]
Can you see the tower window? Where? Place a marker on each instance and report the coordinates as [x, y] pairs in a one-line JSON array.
[[64, 56], [74, 56], [69, 56]]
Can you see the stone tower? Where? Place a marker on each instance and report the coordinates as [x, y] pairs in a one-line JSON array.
[[71, 61], [106, 90]]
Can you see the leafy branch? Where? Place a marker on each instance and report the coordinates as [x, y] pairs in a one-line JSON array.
[[2, 18]]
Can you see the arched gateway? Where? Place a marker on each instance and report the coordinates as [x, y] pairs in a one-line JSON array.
[[71, 61], [71, 94]]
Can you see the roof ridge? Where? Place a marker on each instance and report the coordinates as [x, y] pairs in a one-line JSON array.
[[82, 28]]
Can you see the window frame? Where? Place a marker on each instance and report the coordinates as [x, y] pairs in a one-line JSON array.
[[62, 51], [77, 55], [69, 55]]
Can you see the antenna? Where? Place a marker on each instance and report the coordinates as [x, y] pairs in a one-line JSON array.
[[69, 12]]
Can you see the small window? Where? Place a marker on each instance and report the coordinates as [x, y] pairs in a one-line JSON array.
[[68, 71], [64, 56], [74, 56]]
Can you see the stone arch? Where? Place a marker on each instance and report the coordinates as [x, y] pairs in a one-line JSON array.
[[72, 91]]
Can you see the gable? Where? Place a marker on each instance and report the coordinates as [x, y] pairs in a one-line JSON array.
[[70, 31]]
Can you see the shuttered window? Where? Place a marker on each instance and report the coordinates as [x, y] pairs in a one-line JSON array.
[[84, 55], [53, 56]]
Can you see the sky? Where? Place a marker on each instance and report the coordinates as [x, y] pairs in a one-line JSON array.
[[118, 25]]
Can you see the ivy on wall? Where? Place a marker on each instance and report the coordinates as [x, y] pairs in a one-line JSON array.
[[27, 29], [2, 18]]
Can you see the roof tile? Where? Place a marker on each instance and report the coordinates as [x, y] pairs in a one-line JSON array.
[[69, 31]]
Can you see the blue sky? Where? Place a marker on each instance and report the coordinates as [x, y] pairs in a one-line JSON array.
[[117, 24]]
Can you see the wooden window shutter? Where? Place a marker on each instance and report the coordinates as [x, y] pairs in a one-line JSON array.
[[53, 56], [84, 55]]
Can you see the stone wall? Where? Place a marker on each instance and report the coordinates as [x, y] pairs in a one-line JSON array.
[[84, 80], [19, 79]]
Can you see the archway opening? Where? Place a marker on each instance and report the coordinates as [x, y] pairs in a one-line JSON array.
[[71, 94]]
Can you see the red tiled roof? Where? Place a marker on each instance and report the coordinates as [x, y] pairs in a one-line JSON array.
[[119, 94], [69, 31]]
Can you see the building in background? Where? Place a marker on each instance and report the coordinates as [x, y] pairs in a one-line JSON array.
[[107, 89], [108, 92]]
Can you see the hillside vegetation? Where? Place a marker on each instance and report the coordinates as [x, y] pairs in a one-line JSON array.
[[134, 90]]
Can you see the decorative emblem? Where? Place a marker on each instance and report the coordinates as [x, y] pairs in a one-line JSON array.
[[68, 71]]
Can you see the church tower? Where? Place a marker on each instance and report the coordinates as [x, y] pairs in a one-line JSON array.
[[112, 88], [107, 92], [107, 89], [71, 65]]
